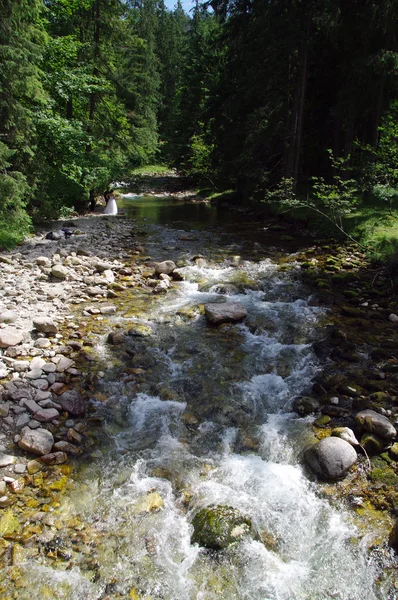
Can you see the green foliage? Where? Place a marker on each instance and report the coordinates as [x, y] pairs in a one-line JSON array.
[[14, 221]]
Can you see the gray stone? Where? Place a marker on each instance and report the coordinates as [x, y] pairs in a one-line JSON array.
[[167, 266], [21, 365], [45, 415], [63, 364], [19, 468], [108, 310], [373, 422], [45, 325], [37, 363], [4, 408], [10, 337], [37, 441], [330, 458], [42, 343], [72, 402], [227, 312], [43, 261], [94, 291], [22, 421], [34, 374], [8, 316], [60, 272], [17, 392], [346, 434], [31, 405], [6, 460], [393, 318]]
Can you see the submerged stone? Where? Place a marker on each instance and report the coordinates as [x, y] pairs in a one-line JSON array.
[[217, 527], [227, 312]]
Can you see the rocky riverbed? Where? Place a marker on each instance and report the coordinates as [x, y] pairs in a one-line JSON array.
[[58, 295]]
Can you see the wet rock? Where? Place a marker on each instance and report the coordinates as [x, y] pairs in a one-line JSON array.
[[306, 405], [227, 312], [140, 330], [167, 267], [63, 446], [116, 337], [72, 401], [54, 458], [330, 458], [372, 443], [346, 434], [45, 325], [373, 422], [10, 337], [37, 441], [218, 527]]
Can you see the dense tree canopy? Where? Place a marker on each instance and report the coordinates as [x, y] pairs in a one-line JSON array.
[[236, 92]]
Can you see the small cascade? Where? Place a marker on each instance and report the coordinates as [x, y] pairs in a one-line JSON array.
[[212, 425]]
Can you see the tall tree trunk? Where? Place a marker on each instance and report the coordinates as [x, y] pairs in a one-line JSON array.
[[93, 95], [292, 161]]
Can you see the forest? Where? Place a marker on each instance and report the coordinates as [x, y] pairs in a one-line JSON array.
[[293, 103]]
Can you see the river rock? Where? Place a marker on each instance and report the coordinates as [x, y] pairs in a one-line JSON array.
[[8, 316], [54, 458], [38, 441], [218, 527], [306, 405], [72, 401], [45, 415], [373, 422], [167, 267], [346, 434], [59, 271], [330, 458], [393, 318], [6, 460], [17, 391], [45, 325], [10, 337], [227, 312], [116, 337]]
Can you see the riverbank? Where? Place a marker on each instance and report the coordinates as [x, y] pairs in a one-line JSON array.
[[74, 286]]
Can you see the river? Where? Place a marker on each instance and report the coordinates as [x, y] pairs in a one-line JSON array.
[[205, 419]]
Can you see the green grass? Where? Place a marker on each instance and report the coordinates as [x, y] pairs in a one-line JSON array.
[[151, 170], [376, 229]]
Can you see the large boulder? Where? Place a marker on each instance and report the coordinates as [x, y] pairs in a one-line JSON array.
[[373, 422], [72, 401], [218, 527], [330, 458], [38, 441], [167, 267], [227, 312], [10, 337]]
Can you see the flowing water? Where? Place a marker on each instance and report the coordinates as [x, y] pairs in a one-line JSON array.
[[211, 424]]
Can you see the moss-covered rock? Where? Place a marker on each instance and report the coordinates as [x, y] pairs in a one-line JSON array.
[[306, 405], [372, 443], [218, 527]]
